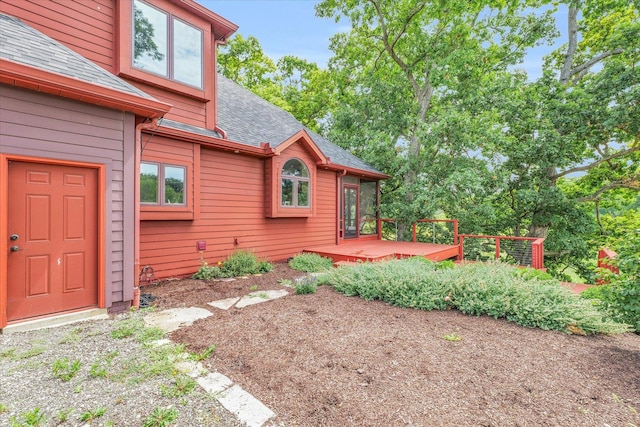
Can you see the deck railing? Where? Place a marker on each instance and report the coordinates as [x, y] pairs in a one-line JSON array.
[[441, 231], [522, 251]]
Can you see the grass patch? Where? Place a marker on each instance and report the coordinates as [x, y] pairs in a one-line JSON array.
[[35, 417], [310, 263], [497, 290], [135, 327], [88, 416]]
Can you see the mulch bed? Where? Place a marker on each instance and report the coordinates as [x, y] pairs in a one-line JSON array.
[[329, 360]]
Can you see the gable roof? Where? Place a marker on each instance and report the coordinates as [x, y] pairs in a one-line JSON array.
[[29, 58], [251, 120]]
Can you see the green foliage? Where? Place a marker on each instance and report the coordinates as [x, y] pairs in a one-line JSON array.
[[310, 263], [306, 285], [35, 417], [453, 337], [63, 415], [204, 354], [476, 289], [239, 263], [135, 327], [88, 416], [64, 369], [624, 296], [182, 385], [596, 292], [161, 417], [207, 272]]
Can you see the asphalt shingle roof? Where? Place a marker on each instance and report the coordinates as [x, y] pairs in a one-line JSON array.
[[25, 45], [251, 120]]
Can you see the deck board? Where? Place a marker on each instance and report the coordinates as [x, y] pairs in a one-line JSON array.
[[376, 250]]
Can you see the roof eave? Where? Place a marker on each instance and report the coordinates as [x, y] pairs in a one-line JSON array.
[[218, 143], [355, 171], [25, 76]]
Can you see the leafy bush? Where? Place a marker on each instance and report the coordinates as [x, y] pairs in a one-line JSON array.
[[596, 292], [623, 297], [310, 263], [492, 289], [239, 263], [207, 272]]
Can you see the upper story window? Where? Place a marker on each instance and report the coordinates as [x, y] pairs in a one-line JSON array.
[[167, 46], [295, 184]]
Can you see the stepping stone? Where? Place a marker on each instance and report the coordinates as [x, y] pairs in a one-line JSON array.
[[246, 407], [175, 318], [214, 382], [260, 296], [224, 304]]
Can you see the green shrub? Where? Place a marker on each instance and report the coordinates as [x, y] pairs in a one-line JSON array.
[[239, 263], [310, 263], [306, 285], [207, 272], [623, 297], [492, 289], [596, 292]]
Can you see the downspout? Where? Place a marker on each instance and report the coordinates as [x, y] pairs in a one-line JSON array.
[[147, 125], [339, 176]]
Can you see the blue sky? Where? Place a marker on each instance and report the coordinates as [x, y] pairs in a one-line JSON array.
[[290, 27]]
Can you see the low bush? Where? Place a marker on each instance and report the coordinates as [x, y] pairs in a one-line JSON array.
[[310, 263], [496, 290], [239, 263]]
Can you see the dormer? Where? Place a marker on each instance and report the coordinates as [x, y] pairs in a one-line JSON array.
[[171, 45]]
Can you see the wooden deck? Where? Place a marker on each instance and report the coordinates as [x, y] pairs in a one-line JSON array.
[[377, 250]]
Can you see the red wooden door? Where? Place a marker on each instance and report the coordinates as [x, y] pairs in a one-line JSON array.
[[53, 229]]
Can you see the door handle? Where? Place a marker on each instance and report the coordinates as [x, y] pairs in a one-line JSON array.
[[14, 237], [15, 248]]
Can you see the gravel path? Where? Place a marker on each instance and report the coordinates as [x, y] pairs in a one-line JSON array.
[[121, 377]]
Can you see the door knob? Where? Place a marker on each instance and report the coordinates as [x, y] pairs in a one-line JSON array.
[[14, 237], [15, 248]]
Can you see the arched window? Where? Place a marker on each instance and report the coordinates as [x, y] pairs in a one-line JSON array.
[[295, 184]]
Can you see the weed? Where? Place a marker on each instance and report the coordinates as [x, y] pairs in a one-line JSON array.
[[9, 353], [63, 415], [285, 282], [183, 385], [64, 369], [253, 288], [78, 389], [99, 368], [3, 408], [35, 417], [135, 327], [73, 337], [310, 263], [204, 354], [161, 417], [89, 416], [36, 350], [452, 337]]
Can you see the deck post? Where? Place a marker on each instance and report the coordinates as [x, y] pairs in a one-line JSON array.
[[461, 249], [413, 231], [497, 248]]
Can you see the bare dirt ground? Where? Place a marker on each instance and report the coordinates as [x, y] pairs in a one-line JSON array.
[[330, 360]]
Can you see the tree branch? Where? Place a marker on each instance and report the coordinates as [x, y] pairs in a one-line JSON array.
[[578, 72], [595, 197], [584, 168]]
